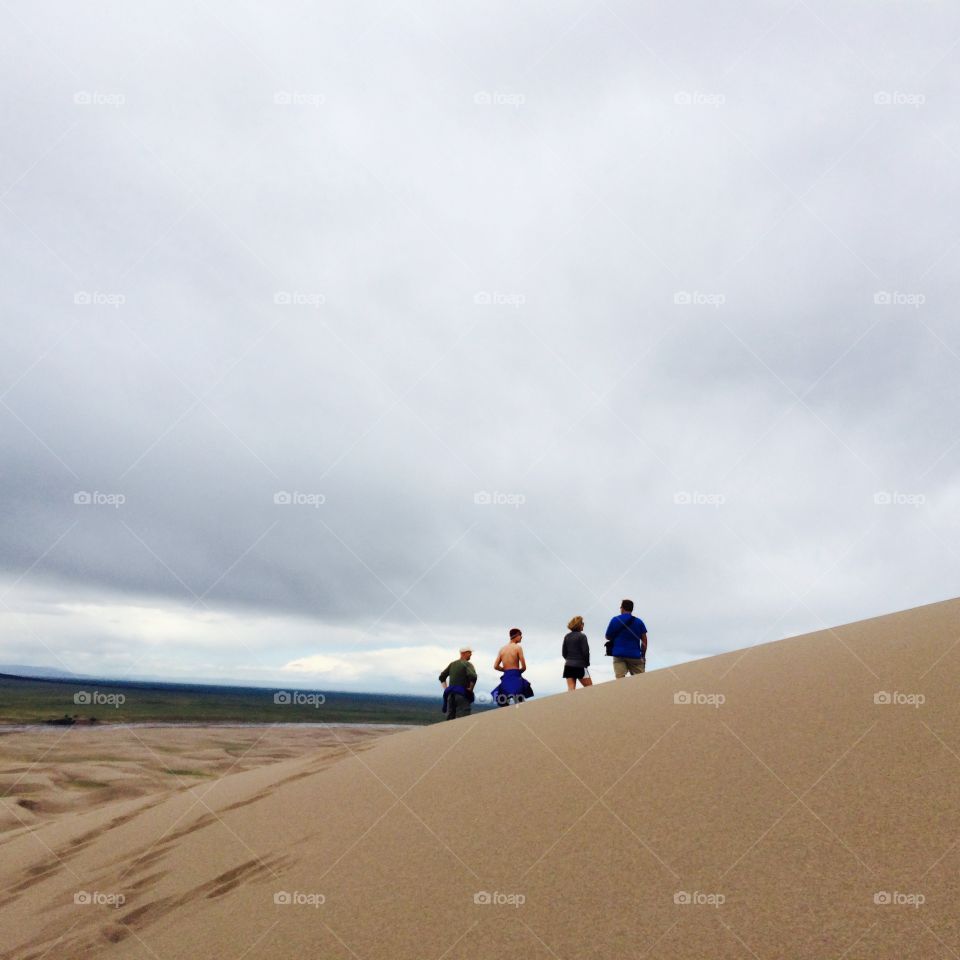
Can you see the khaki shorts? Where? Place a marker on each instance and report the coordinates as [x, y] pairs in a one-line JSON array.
[[624, 665]]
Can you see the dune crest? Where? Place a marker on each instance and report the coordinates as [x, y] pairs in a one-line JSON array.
[[795, 799]]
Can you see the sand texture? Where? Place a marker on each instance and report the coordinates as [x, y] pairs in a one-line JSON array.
[[796, 799]]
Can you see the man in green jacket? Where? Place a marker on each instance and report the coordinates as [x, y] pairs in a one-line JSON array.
[[459, 678]]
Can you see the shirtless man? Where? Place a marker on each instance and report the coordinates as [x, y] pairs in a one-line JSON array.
[[511, 663], [510, 656]]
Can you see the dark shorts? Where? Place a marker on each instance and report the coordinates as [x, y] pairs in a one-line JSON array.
[[573, 673]]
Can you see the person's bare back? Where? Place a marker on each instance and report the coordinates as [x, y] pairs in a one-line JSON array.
[[513, 688], [511, 656]]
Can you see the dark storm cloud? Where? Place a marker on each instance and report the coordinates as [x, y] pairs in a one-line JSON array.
[[671, 289]]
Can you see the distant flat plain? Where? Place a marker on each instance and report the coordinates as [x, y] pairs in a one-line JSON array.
[[109, 701]]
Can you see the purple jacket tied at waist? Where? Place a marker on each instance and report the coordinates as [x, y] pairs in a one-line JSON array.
[[456, 688], [513, 685]]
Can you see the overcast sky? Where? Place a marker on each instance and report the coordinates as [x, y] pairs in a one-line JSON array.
[[524, 309]]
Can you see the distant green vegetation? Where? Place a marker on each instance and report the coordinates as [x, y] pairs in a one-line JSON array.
[[46, 701]]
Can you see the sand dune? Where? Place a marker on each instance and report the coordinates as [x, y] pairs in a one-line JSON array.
[[47, 772], [796, 799]]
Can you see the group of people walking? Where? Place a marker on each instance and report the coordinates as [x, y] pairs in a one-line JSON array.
[[625, 642]]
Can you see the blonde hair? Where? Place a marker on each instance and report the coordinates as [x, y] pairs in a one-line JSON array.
[[575, 624]]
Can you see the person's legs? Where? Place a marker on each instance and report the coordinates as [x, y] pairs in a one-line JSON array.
[[636, 666], [619, 667], [464, 707], [571, 683], [452, 707]]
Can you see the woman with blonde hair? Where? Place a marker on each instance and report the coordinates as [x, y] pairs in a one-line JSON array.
[[576, 655]]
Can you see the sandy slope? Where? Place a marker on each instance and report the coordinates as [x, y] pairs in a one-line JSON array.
[[48, 772], [782, 813]]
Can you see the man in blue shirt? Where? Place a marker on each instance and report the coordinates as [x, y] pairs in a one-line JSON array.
[[627, 642]]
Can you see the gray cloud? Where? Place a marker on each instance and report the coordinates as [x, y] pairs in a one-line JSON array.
[[650, 277]]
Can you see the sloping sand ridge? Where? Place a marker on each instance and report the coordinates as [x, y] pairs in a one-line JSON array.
[[796, 799]]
